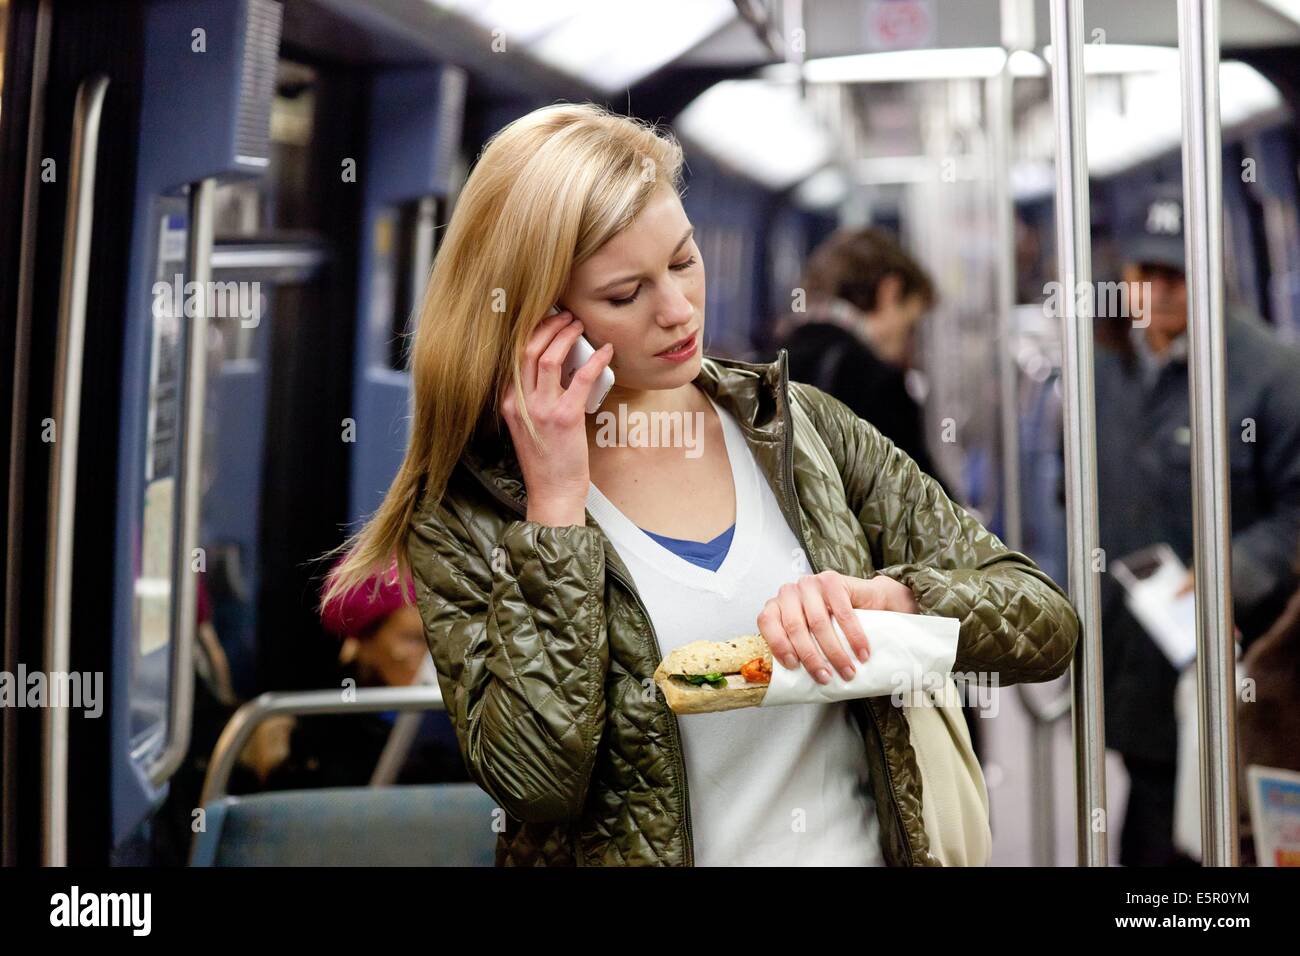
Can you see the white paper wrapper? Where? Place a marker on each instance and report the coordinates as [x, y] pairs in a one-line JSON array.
[[907, 652]]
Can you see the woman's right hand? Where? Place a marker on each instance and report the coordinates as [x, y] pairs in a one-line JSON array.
[[556, 475]]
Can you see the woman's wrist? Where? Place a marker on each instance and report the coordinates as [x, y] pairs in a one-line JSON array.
[[558, 512]]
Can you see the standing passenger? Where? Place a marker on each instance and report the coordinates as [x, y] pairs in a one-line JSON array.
[[865, 296], [1145, 493]]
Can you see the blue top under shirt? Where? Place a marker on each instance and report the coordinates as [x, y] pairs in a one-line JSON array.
[[707, 554]]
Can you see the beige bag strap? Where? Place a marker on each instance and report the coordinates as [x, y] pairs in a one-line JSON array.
[[954, 798]]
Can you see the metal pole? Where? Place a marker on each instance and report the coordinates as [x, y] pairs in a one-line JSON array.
[[1000, 119], [1198, 44], [1043, 845], [1043, 774], [74, 290], [22, 360], [1017, 28], [1074, 263]]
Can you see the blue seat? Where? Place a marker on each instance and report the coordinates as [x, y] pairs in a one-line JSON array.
[[433, 825]]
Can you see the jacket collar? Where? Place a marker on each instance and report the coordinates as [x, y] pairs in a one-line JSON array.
[[755, 393]]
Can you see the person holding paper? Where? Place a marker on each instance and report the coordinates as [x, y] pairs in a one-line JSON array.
[[1145, 487], [557, 555]]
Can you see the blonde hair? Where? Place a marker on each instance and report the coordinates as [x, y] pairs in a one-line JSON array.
[[547, 192]]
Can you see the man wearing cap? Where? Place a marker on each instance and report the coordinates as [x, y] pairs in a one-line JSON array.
[[1145, 496]]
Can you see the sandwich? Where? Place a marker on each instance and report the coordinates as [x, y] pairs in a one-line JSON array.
[[706, 676]]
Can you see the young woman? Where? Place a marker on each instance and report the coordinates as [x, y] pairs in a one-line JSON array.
[[557, 557]]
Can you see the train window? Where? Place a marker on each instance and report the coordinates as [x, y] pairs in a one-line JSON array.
[[405, 241], [265, 227], [153, 581], [282, 197]]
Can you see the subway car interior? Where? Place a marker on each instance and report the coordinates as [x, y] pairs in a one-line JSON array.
[[175, 478]]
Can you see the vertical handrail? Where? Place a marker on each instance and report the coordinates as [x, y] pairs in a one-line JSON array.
[[74, 281], [1043, 815], [1017, 30], [15, 514], [1074, 264], [1000, 116], [185, 582], [1043, 717], [1198, 45], [1000, 110]]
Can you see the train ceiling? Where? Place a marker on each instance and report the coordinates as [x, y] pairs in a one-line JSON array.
[[724, 58]]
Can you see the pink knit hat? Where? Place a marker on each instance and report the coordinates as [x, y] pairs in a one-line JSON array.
[[368, 603]]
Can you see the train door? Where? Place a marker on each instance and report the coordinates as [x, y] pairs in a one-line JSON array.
[[145, 108], [205, 406]]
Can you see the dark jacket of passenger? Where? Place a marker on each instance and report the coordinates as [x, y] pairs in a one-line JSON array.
[[1145, 496], [835, 360]]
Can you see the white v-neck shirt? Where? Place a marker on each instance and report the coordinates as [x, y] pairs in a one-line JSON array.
[[775, 786]]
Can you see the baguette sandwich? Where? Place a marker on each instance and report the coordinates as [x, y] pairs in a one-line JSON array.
[[706, 676]]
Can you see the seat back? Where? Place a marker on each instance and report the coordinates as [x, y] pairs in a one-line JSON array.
[[434, 825]]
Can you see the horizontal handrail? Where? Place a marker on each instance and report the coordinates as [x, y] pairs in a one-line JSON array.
[[365, 700]]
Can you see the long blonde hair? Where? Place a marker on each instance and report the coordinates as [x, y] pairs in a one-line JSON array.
[[546, 193]]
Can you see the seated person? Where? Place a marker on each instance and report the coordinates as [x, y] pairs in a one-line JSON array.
[[381, 645]]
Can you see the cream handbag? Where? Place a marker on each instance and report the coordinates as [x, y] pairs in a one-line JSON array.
[[954, 800]]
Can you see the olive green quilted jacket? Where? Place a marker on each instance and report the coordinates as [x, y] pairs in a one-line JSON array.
[[545, 653]]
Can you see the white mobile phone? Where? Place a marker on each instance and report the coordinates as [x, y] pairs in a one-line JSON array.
[[578, 356]]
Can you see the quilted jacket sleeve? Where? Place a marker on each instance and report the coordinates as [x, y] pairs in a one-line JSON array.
[[1016, 622], [517, 631]]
